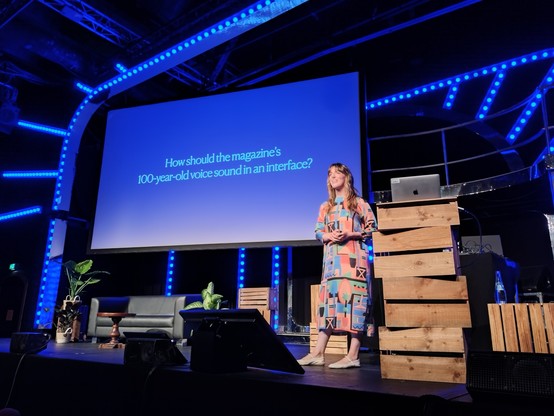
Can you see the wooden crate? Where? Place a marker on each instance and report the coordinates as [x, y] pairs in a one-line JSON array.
[[440, 354], [414, 214], [423, 368], [264, 299], [428, 251], [314, 293], [420, 264], [338, 344], [447, 340], [522, 327], [394, 241], [426, 302]]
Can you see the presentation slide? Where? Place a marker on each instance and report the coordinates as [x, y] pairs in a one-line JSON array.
[[241, 169]]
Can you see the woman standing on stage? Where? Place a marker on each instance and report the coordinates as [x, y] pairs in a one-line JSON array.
[[344, 225]]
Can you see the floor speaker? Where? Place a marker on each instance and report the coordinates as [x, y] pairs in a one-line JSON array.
[[507, 375], [145, 351]]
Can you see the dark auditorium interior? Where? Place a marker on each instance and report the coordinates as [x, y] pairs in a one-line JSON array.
[[458, 88]]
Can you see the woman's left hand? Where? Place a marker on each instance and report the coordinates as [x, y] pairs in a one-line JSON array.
[[342, 236]]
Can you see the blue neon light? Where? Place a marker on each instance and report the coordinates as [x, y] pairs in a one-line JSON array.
[[31, 174], [169, 273], [42, 128], [83, 87], [276, 278], [241, 267], [491, 94], [8, 216]]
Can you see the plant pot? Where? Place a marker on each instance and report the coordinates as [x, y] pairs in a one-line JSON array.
[[69, 303], [75, 324], [63, 337], [76, 329]]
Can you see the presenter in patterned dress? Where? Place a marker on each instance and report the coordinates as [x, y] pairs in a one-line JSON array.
[[344, 226]]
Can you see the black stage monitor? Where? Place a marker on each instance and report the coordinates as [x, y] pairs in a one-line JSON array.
[[151, 348], [230, 340]]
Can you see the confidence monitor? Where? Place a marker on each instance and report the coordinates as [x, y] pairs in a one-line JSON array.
[[230, 340]]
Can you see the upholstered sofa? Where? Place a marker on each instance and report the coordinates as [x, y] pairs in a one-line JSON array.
[[152, 313]]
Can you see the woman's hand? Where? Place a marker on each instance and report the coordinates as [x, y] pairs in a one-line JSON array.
[[338, 236]]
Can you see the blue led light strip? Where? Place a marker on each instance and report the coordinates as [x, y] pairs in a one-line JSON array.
[[7, 216], [121, 68], [40, 174], [531, 106], [44, 315], [459, 79], [42, 128], [241, 267], [451, 96], [169, 273], [275, 283], [83, 87], [491, 94]]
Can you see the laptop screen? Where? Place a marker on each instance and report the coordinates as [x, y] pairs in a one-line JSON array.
[[411, 188]]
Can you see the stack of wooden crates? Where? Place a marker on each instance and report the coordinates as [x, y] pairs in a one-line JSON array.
[[425, 300]]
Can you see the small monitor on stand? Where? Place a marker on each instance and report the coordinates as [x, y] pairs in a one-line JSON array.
[[230, 340]]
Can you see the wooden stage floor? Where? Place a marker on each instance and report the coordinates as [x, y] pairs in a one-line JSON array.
[[80, 378]]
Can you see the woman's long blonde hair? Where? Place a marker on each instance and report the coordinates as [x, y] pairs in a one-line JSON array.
[[351, 194]]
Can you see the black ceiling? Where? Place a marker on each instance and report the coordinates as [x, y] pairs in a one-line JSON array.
[[48, 45]]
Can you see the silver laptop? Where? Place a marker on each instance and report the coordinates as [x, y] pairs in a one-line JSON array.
[[412, 188]]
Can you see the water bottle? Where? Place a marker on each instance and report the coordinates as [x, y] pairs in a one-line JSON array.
[[499, 290]]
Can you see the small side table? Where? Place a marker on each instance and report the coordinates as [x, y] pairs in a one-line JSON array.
[[115, 334]]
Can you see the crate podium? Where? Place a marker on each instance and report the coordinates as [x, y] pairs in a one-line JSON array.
[[426, 305]]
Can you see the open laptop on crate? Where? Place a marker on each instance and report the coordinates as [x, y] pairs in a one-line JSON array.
[[413, 188]]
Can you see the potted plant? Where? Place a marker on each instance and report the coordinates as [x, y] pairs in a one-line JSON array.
[[210, 300], [67, 318], [79, 276]]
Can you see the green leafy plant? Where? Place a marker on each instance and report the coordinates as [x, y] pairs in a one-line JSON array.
[[210, 300], [79, 276], [65, 318]]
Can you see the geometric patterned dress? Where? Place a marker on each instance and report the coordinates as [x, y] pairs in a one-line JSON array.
[[345, 293]]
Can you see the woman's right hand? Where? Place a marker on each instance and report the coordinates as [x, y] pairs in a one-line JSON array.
[[336, 236]]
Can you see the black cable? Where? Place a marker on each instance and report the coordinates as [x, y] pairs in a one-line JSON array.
[[478, 227], [144, 406], [480, 231], [14, 379]]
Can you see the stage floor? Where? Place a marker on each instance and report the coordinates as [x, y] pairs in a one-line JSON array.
[[104, 385]]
